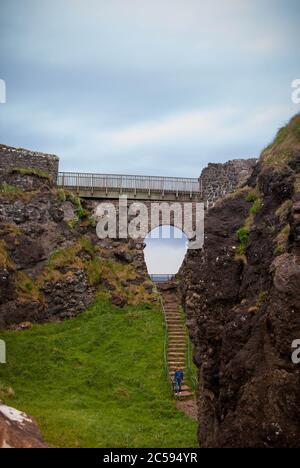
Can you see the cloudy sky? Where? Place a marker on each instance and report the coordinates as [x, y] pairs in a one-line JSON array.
[[138, 86]]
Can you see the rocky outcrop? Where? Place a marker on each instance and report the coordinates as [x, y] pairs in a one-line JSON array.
[[17, 430], [219, 179], [241, 297], [18, 158], [52, 264]]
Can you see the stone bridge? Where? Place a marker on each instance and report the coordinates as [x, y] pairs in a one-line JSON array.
[[135, 187], [167, 200], [214, 182]]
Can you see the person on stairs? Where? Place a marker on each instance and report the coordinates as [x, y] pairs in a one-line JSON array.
[[178, 378]]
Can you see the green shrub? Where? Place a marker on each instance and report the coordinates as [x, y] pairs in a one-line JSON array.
[[31, 171], [251, 196], [243, 237], [256, 207], [74, 199], [61, 195], [6, 188], [262, 297]]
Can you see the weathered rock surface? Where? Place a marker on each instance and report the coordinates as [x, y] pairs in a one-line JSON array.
[[219, 179], [243, 307], [17, 430], [52, 263]]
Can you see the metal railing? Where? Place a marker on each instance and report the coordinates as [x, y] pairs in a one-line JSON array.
[[161, 278], [190, 363], [128, 182], [166, 337]]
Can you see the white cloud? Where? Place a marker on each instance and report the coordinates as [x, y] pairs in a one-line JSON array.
[[217, 126]]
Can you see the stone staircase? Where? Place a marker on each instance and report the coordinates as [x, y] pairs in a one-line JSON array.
[[177, 334]]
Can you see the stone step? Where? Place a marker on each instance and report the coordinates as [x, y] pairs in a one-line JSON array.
[[185, 395], [185, 388], [176, 352], [177, 340], [176, 363]]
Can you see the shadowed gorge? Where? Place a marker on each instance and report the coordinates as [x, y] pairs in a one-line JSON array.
[[241, 297]]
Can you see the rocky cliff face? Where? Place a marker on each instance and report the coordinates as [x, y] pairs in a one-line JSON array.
[[242, 299], [52, 265]]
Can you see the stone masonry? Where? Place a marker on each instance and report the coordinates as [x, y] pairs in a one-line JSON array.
[[11, 158], [219, 179]]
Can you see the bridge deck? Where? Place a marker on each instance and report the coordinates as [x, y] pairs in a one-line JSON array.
[[134, 186]]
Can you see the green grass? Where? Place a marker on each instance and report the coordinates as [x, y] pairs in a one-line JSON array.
[[97, 380], [256, 207], [31, 171], [243, 237], [6, 188]]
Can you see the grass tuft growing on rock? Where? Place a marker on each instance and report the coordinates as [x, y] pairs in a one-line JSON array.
[[5, 260], [31, 171], [282, 240], [283, 211], [243, 237], [7, 188], [286, 142]]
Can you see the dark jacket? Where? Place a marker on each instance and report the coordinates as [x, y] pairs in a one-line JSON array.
[[178, 375]]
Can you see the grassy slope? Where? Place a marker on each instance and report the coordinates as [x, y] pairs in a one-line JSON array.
[[97, 380]]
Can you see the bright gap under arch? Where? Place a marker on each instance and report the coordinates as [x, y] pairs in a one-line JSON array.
[[165, 250]]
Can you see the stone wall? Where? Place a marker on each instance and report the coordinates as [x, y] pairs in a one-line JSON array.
[[21, 158], [219, 179]]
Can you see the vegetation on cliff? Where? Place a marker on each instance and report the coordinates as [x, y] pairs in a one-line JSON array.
[[245, 315]]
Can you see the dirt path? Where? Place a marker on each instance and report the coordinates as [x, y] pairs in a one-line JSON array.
[[188, 407]]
